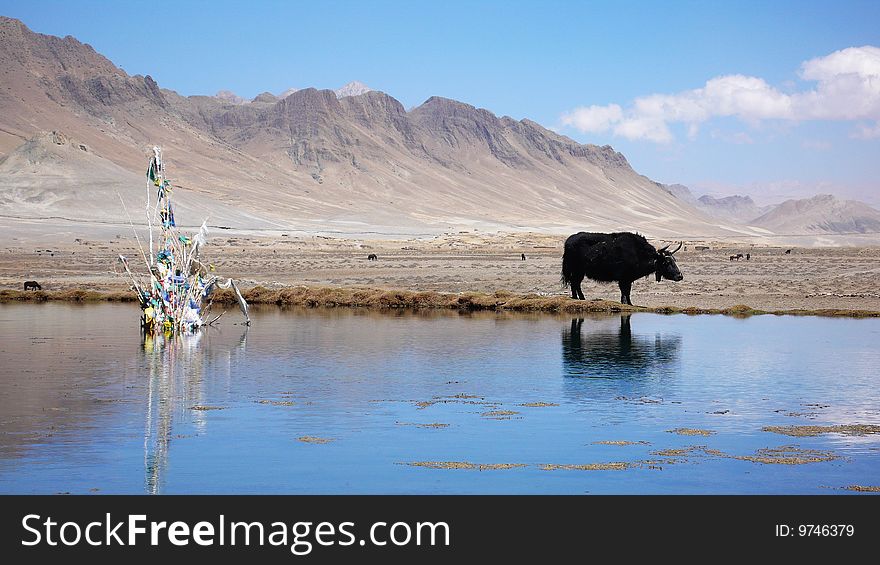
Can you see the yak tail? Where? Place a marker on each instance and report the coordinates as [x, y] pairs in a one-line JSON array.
[[567, 270]]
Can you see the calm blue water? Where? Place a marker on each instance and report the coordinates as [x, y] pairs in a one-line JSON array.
[[87, 406]]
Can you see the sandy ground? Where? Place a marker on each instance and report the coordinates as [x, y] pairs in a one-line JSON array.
[[810, 278]]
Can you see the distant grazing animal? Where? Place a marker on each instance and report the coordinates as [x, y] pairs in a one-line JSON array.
[[748, 256], [788, 251], [739, 256], [372, 257], [733, 258], [32, 285], [614, 257], [523, 256]]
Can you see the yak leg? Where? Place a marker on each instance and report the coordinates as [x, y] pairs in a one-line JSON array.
[[576, 292], [625, 289]]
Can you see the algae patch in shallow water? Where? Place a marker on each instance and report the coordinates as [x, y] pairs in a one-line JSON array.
[[679, 452], [314, 439], [442, 464], [811, 431], [276, 402], [862, 488], [464, 465], [457, 399], [616, 466], [206, 408], [640, 400], [498, 413], [675, 456], [435, 425], [691, 432], [538, 404], [500, 466], [621, 442], [782, 455]]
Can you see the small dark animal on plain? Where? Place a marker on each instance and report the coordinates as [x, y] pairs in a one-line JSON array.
[[32, 285], [748, 256], [734, 258], [788, 251], [523, 256], [615, 257], [739, 256], [372, 257]]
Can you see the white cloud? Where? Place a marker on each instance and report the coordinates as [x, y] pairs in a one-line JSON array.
[[593, 119], [847, 88], [745, 97], [652, 129], [861, 61]]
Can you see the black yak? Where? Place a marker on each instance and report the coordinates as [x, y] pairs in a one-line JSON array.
[[32, 285], [609, 257], [372, 257]]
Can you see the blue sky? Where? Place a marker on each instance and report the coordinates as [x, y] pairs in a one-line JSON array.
[[653, 79]]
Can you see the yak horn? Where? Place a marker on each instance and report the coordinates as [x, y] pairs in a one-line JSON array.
[[677, 248], [662, 249]]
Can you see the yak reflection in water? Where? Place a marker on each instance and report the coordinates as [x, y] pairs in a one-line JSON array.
[[599, 351], [176, 367]]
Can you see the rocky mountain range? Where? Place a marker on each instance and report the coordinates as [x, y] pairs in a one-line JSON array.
[[349, 161], [741, 209], [353, 88], [820, 215]]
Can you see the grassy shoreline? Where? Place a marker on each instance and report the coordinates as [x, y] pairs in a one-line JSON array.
[[500, 301]]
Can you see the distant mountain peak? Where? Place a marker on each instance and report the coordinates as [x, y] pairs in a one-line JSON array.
[[826, 198], [287, 93], [736, 208], [266, 98], [230, 97], [354, 88], [729, 201]]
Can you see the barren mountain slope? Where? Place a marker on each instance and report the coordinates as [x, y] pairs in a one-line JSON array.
[[53, 177], [316, 161]]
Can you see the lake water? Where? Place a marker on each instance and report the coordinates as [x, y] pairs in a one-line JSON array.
[[316, 401]]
